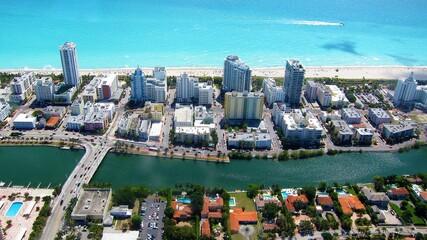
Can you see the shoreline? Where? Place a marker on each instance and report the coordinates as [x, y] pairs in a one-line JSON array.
[[343, 72]]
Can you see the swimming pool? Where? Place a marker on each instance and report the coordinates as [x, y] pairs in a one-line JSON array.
[[232, 202], [322, 194], [284, 195], [14, 209], [341, 192], [184, 200], [267, 197]]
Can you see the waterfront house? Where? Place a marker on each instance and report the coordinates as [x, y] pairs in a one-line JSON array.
[[238, 216], [291, 200], [398, 193], [121, 211], [379, 199], [181, 211], [261, 201], [212, 207], [325, 201], [350, 203]]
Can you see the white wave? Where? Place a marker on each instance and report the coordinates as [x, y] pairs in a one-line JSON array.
[[309, 22]]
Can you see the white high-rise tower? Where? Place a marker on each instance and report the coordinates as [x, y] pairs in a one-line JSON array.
[[70, 66]]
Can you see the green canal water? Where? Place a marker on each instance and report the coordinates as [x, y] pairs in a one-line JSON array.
[[349, 167], [22, 165], [38, 164]]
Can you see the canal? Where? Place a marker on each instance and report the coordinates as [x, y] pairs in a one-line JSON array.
[[349, 167], [45, 165], [37, 164]]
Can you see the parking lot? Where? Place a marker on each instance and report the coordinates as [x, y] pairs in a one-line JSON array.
[[152, 213]]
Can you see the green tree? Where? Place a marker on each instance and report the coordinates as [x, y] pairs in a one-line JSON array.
[[124, 197], [136, 221], [270, 211], [327, 236], [322, 186], [197, 198], [253, 190], [378, 183], [309, 192]]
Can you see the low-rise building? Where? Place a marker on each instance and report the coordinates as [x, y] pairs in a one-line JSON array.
[[249, 140], [183, 116], [350, 203], [90, 93], [123, 127], [24, 122], [94, 121], [378, 199], [324, 96], [364, 135], [155, 131], [398, 193], [75, 123], [261, 201], [378, 116], [181, 211], [325, 201], [93, 203], [144, 130], [325, 116], [273, 93], [192, 134], [54, 111], [153, 111], [403, 130], [301, 128], [121, 211], [205, 96], [290, 201], [4, 109], [238, 216], [350, 115], [63, 93], [212, 207], [342, 131], [107, 86]]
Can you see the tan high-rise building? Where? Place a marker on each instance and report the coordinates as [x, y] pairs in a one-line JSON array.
[[240, 106]]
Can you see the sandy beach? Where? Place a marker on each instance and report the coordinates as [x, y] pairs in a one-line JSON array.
[[347, 72]]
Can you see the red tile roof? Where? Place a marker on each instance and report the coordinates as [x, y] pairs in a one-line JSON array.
[[206, 228], [291, 199], [269, 227], [238, 216], [415, 180], [350, 203], [400, 191], [212, 208], [181, 210], [423, 195], [325, 200]]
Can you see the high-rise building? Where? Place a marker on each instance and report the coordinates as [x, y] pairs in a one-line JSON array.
[[149, 89], [311, 90], [294, 79], [21, 87], [70, 65], [273, 93], [404, 94], [138, 85], [4, 109], [241, 106], [205, 94], [237, 75], [44, 89], [185, 87]]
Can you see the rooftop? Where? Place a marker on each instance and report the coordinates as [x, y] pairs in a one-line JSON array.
[[93, 201], [238, 215], [350, 203]]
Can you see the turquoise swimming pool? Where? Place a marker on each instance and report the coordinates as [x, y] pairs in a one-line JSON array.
[[14, 209], [284, 195], [341, 192], [232, 202], [184, 200], [267, 197]]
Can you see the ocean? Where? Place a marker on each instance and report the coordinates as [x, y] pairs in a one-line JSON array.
[[111, 33]]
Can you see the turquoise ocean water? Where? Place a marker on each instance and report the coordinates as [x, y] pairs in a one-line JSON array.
[[112, 33]]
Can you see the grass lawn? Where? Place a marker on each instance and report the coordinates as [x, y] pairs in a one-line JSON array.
[[243, 201], [351, 191], [416, 220]]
